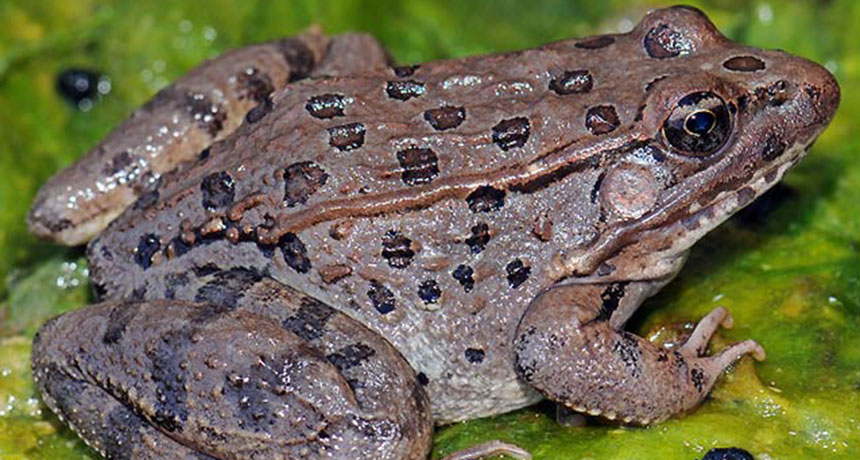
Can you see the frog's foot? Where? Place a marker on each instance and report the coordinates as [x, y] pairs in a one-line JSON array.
[[567, 348], [488, 449], [178, 380]]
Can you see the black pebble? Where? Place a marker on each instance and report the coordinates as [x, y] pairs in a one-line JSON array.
[[728, 453], [77, 85]]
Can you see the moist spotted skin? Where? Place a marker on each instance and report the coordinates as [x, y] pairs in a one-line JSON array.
[[436, 204]]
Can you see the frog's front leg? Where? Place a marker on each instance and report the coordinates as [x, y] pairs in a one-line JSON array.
[[181, 121], [277, 376], [571, 347]]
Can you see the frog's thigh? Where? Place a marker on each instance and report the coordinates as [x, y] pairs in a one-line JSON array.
[[570, 347], [230, 383]]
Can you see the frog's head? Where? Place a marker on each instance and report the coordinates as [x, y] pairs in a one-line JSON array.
[[718, 124]]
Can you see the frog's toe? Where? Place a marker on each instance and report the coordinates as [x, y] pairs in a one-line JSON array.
[[698, 341]]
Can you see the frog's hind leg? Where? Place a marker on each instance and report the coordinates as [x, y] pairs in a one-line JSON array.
[[275, 375], [570, 346], [179, 124]]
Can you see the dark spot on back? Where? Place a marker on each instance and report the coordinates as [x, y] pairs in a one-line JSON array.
[[445, 117], [326, 106], [422, 379], [480, 237], [346, 137], [517, 273], [463, 275], [420, 165], [208, 115], [404, 90], [474, 355], [663, 42], [404, 71], [511, 133], [601, 119], [169, 378], [593, 43], [295, 253], [118, 163], [310, 320], [174, 281], [228, 287], [397, 249], [298, 56], [301, 180], [744, 64], [572, 82], [118, 320], [217, 190], [350, 356], [429, 291], [254, 85], [259, 111], [381, 297], [147, 246], [486, 199], [205, 270]]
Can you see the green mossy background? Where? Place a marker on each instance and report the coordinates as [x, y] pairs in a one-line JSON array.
[[790, 276]]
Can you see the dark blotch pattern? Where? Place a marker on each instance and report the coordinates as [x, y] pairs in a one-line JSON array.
[[517, 273], [118, 321], [228, 287], [326, 106], [511, 133], [302, 180], [662, 42], [381, 297], [486, 199], [445, 117], [255, 85], [628, 351], [218, 190], [295, 253], [404, 90], [697, 376], [346, 137], [299, 57], [744, 64], [209, 116], [148, 245], [310, 320], [420, 165], [166, 372], [774, 147], [429, 291], [595, 43], [404, 71], [463, 274], [610, 298], [601, 119], [572, 82], [479, 239], [422, 379], [475, 355], [350, 356], [397, 249], [259, 111]]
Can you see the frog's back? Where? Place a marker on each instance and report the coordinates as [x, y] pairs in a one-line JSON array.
[[429, 202]]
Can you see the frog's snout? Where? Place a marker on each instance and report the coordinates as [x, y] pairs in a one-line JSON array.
[[818, 95]]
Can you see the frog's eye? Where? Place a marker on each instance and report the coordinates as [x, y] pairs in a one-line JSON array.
[[699, 125]]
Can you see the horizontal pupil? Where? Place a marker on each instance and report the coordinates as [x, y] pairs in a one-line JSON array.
[[700, 123]]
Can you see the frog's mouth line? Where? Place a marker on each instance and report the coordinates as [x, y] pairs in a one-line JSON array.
[[683, 230]]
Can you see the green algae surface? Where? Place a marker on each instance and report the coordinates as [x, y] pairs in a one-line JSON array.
[[788, 270]]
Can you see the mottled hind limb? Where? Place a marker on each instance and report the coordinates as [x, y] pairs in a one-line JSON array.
[[570, 347]]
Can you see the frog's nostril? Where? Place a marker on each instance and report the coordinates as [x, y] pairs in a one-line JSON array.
[[822, 92]]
